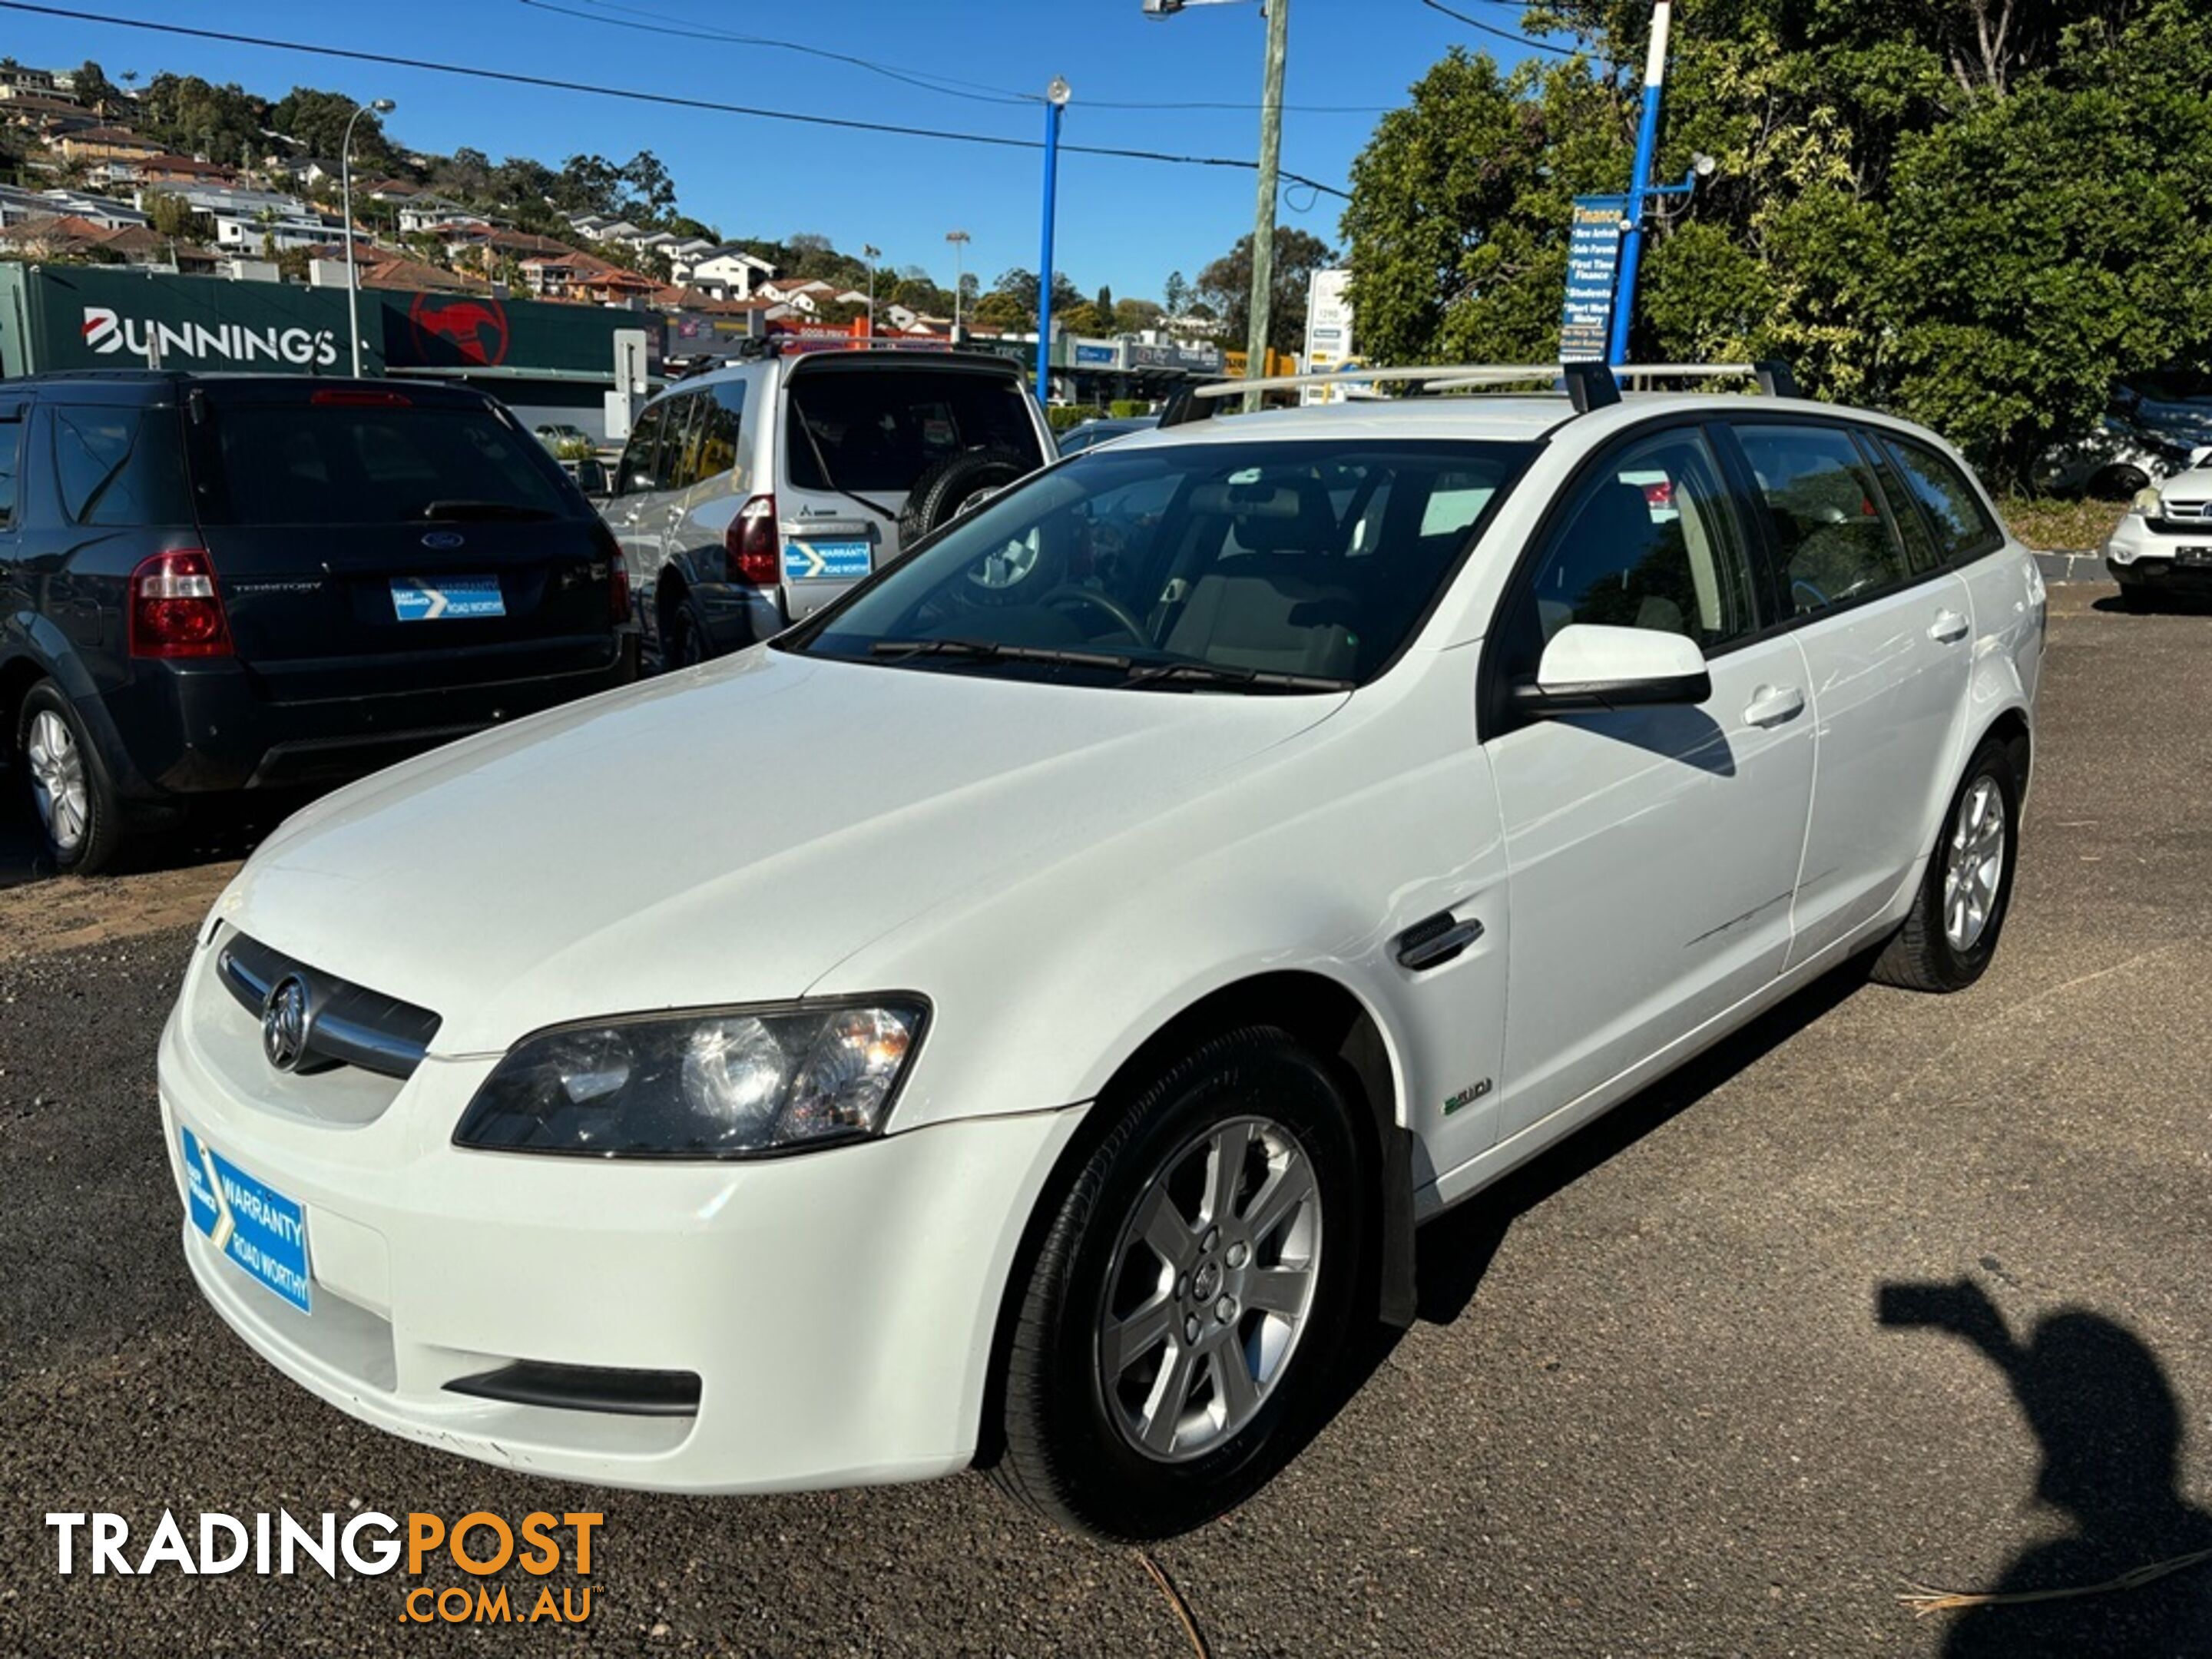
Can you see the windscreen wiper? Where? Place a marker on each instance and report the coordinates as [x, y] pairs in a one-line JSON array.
[[988, 651], [1209, 673], [484, 510], [821, 463]]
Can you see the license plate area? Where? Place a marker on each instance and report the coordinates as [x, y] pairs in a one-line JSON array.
[[2194, 556], [261, 1231], [842, 559], [440, 598]]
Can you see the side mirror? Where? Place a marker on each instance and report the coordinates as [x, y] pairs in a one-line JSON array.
[[1589, 665]]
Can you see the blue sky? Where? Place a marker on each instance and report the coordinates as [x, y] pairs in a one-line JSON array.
[[1122, 222]]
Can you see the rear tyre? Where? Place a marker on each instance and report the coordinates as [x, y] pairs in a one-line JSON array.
[[71, 796], [1951, 933], [1180, 1324], [688, 642], [948, 489], [2118, 483]]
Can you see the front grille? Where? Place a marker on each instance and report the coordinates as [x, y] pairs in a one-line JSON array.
[[2189, 512], [347, 1025]]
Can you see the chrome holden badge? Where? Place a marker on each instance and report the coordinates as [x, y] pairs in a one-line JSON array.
[[445, 539], [284, 1024]]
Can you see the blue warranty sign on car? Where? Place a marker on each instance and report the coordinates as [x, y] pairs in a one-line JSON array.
[[428, 599], [843, 562], [255, 1225]]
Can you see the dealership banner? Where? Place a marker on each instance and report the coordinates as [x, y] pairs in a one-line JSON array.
[[1593, 265]]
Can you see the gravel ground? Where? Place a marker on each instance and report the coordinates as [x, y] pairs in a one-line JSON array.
[[1652, 1409]]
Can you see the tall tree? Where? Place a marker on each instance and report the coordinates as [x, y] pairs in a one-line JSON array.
[[1978, 212], [1227, 284]]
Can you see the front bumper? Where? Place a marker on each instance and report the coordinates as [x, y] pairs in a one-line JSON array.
[[2162, 553], [837, 1307]]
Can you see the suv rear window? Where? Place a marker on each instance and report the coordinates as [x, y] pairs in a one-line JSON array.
[[337, 464], [881, 430], [116, 466]]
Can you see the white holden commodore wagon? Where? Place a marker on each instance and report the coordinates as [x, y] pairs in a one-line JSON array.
[[1020, 1015]]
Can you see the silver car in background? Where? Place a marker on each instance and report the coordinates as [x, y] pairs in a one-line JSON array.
[[751, 497]]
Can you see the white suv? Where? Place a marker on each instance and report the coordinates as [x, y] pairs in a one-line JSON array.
[[1096, 943], [2163, 544]]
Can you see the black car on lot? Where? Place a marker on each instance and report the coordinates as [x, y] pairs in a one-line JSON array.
[[218, 583]]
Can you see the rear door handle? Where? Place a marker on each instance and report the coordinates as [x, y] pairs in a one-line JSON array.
[[1772, 705], [1948, 628]]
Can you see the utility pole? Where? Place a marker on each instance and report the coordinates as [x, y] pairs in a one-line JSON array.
[[959, 238], [871, 254], [1055, 100], [1263, 223], [1639, 185]]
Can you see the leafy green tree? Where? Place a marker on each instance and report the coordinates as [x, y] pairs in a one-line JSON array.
[[1227, 283], [169, 215], [317, 120], [99, 93], [1977, 212], [198, 118]]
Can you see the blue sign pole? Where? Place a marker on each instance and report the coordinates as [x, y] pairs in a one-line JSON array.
[[1647, 143], [1055, 100]]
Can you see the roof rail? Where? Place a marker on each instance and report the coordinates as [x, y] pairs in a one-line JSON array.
[[1589, 385]]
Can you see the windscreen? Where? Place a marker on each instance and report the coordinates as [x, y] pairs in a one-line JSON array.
[[878, 430], [1265, 559], [338, 463]]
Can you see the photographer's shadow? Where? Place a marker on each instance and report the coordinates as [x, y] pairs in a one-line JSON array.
[[2109, 1429]]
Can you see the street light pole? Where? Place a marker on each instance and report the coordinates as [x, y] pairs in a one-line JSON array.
[[1639, 186], [382, 107], [1055, 100], [1263, 223], [871, 254], [959, 238]]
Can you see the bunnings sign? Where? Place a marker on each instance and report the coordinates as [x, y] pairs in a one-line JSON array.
[[86, 317], [65, 317]]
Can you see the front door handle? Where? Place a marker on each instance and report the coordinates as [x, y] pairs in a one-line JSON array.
[[1948, 628], [1772, 705], [1432, 942]]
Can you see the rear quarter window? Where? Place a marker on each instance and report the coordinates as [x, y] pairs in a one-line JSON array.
[[120, 466], [1962, 526]]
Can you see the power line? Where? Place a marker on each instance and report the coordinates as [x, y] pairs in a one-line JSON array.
[[672, 101], [1517, 38], [684, 29]]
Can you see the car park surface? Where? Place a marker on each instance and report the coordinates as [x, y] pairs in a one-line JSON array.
[[1649, 1408]]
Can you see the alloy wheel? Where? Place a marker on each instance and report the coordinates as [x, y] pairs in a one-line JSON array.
[[57, 781], [1211, 1289], [1973, 869]]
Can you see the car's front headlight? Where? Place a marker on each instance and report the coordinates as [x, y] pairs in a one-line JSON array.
[[2148, 504], [717, 1082]]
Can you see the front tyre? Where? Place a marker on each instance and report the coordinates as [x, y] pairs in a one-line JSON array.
[[1181, 1321], [1951, 933]]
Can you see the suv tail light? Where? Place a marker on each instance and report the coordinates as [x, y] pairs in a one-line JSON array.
[[175, 611], [750, 542], [617, 572]]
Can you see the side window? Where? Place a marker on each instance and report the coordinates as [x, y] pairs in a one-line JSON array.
[[1921, 552], [120, 465], [1826, 509], [1964, 529], [721, 419], [641, 460], [11, 464], [1651, 541], [680, 451]]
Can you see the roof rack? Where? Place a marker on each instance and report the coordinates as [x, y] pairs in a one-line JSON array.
[[1587, 386]]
